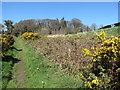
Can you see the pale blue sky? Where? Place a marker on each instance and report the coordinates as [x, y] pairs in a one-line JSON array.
[[101, 13]]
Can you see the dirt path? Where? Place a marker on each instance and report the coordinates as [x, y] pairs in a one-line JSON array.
[[20, 75]]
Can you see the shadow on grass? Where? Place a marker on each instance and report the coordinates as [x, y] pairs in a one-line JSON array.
[[13, 48], [7, 64], [10, 59]]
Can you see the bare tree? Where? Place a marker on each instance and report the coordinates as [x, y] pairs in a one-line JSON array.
[[76, 22], [85, 28], [25, 26], [94, 26]]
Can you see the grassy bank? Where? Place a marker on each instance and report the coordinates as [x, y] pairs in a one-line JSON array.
[[39, 71], [71, 60], [109, 31]]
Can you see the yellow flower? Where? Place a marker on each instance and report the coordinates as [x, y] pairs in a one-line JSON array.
[[29, 35], [101, 36], [95, 82], [92, 48], [99, 57], [88, 84], [112, 36], [86, 52], [108, 80], [118, 70]]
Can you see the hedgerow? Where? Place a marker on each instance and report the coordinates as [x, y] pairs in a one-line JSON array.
[[6, 42], [104, 70], [29, 35]]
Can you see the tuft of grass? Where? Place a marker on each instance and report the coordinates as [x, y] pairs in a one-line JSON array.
[[12, 84]]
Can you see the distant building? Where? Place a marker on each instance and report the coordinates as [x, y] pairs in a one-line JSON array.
[[117, 24]]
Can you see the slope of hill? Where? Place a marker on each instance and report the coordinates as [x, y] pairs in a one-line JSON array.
[[53, 62], [36, 71], [71, 59], [109, 31]]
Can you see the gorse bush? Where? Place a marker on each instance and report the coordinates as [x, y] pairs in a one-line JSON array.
[[101, 36], [30, 35], [6, 42], [105, 63], [7, 62]]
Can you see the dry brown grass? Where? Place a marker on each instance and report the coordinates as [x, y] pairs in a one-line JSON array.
[[66, 51]]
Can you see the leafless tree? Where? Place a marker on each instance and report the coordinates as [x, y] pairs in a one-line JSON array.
[[76, 22], [94, 26]]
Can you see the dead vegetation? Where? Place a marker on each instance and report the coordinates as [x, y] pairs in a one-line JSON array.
[[66, 51]]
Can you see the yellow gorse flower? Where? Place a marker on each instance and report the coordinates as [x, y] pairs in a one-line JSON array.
[[118, 70], [30, 35], [86, 52], [6, 42], [101, 36], [106, 56], [88, 84], [95, 82]]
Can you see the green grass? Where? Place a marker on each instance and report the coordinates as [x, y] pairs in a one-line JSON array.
[[7, 67], [38, 69], [6, 71], [109, 31]]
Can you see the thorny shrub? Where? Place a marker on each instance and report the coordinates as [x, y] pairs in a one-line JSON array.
[[30, 35], [104, 71], [6, 41]]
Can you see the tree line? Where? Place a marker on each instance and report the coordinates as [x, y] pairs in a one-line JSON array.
[[45, 26]]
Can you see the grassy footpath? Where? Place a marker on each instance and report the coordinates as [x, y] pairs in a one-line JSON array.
[[39, 71]]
